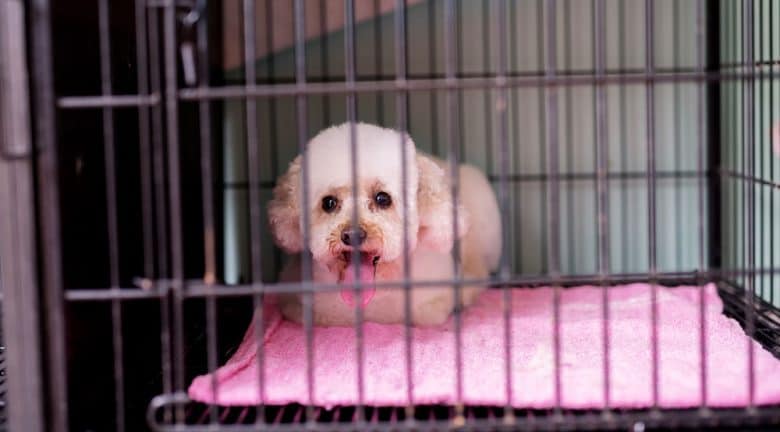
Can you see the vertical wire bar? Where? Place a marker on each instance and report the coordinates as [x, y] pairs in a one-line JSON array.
[[111, 212], [568, 94], [459, 68], [158, 149], [159, 196], [742, 150], [324, 56], [306, 265], [142, 80], [503, 199], [553, 189], [759, 123], [728, 148], [174, 195], [701, 33], [378, 60], [349, 57], [602, 151], [207, 195], [273, 112], [623, 119], [594, 39], [767, 226], [253, 169], [48, 198], [486, 93], [432, 56], [204, 111], [772, 82], [741, 184], [749, 163], [651, 184], [677, 141], [452, 159], [542, 121], [401, 119], [734, 148], [158, 174], [515, 234]]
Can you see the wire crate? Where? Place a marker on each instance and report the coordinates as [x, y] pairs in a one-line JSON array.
[[627, 141]]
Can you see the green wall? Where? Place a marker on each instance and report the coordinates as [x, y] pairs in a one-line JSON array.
[[744, 133]]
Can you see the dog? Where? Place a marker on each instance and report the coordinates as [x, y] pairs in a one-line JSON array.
[[378, 237]]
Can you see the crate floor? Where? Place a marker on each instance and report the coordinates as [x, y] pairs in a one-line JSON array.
[[483, 370]]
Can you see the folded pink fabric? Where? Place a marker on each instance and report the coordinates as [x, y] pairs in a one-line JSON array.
[[532, 354]]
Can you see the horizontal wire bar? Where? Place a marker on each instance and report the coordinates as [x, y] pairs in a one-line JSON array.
[[177, 3], [309, 88], [585, 419], [735, 296], [92, 294], [750, 178], [112, 101], [366, 77], [195, 288], [532, 177], [627, 175]]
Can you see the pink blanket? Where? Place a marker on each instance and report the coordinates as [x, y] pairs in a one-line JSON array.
[[532, 379]]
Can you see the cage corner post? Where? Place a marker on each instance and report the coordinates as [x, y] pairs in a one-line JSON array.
[[43, 128], [18, 278]]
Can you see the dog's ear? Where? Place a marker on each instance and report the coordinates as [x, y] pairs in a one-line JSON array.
[[434, 206], [284, 209]]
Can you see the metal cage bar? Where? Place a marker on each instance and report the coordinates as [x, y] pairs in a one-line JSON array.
[[401, 100], [502, 108], [651, 194], [169, 25], [553, 190], [18, 249], [49, 198], [452, 135], [602, 160], [701, 14], [748, 160], [111, 214], [350, 73]]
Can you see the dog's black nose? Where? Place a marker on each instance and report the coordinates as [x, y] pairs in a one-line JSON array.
[[352, 237]]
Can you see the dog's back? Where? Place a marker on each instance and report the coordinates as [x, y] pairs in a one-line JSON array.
[[484, 234], [483, 239]]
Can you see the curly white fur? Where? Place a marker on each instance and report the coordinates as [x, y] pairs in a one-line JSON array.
[[429, 223]]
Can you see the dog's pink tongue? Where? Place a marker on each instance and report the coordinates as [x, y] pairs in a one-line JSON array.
[[367, 279]]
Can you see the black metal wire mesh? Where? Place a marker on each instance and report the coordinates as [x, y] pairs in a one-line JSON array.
[[152, 102]]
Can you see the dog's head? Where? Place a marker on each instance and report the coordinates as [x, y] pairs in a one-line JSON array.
[[379, 233]]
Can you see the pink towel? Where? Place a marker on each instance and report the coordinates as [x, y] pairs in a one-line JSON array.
[[483, 372]]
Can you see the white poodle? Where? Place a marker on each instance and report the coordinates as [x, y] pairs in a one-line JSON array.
[[379, 236]]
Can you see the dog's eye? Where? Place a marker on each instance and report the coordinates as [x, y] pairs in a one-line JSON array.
[[329, 203], [383, 200]]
